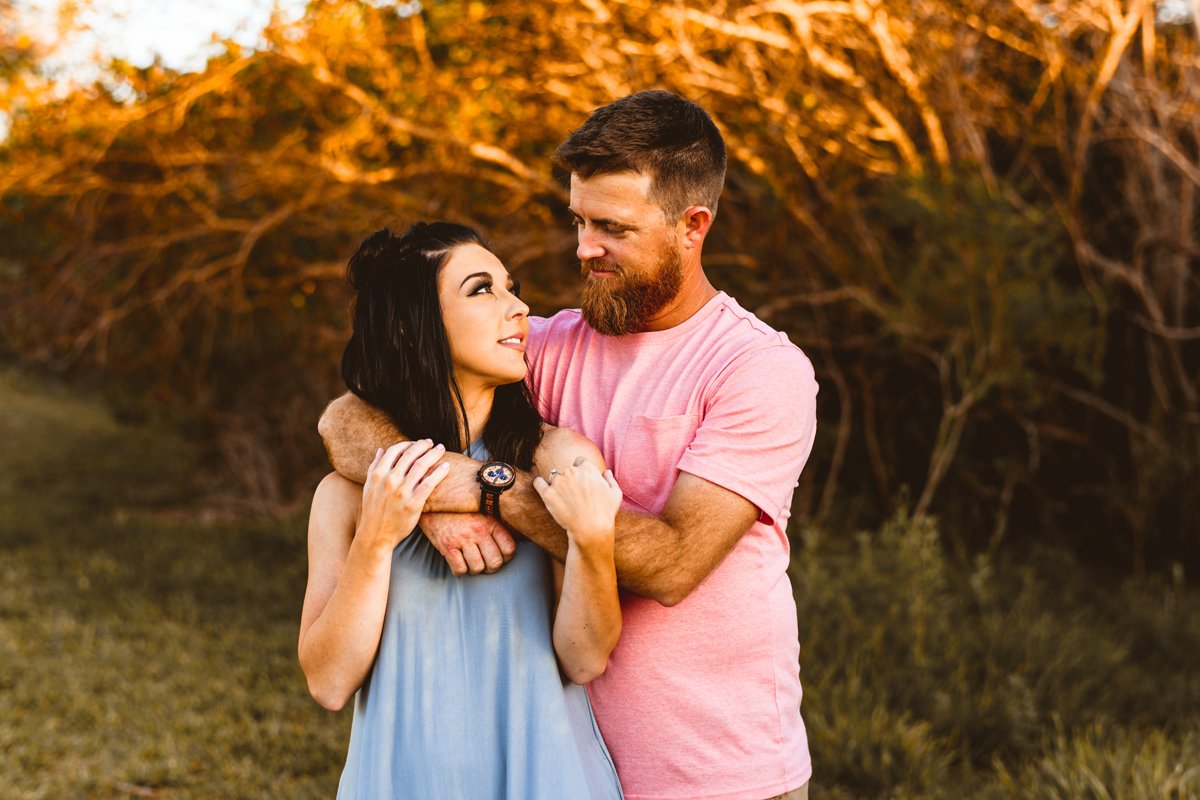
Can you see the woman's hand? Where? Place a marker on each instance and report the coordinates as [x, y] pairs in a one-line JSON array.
[[583, 501], [587, 615], [399, 482]]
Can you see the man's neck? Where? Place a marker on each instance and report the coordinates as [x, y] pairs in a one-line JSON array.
[[693, 296]]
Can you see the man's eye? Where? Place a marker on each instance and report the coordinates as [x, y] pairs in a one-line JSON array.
[[577, 222]]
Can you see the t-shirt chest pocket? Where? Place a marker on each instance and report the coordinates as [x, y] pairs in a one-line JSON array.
[[647, 457]]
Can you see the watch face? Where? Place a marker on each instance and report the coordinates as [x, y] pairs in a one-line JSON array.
[[497, 474]]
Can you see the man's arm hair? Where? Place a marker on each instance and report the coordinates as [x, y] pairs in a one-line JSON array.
[[664, 558], [352, 432]]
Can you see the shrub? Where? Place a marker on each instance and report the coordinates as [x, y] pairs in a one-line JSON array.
[[1102, 763], [918, 673]]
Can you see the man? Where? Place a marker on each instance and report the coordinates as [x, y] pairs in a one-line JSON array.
[[706, 416]]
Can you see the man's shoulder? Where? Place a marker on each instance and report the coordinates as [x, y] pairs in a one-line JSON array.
[[748, 358], [548, 334], [564, 319], [736, 321], [744, 340]]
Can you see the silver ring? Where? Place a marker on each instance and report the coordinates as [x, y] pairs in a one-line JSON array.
[[555, 472]]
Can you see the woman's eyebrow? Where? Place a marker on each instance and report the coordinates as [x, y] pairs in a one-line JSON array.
[[487, 275]]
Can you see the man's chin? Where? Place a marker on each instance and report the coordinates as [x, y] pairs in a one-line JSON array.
[[605, 314], [623, 304]]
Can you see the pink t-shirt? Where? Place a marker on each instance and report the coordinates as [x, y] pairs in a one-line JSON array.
[[701, 700]]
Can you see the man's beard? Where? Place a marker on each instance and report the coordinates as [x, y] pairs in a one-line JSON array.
[[623, 303]]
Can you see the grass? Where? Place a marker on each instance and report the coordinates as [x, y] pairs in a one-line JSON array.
[[141, 654], [144, 653]]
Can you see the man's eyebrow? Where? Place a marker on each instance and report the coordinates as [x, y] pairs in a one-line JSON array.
[[609, 222]]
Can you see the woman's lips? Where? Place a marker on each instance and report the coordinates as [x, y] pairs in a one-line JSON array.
[[514, 343]]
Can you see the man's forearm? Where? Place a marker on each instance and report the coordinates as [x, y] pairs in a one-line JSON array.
[[640, 569], [648, 551], [352, 432], [522, 508]]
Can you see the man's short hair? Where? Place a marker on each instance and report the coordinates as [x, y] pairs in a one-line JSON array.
[[658, 133]]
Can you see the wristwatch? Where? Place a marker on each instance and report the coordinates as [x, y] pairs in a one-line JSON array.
[[495, 477]]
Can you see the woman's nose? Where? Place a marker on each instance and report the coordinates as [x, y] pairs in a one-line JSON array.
[[518, 308]]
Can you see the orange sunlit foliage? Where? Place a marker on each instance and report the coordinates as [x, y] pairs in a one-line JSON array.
[[953, 206]]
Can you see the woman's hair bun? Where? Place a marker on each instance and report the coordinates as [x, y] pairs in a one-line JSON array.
[[383, 250]]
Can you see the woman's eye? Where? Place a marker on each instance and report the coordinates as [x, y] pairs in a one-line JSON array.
[[481, 288], [515, 288]]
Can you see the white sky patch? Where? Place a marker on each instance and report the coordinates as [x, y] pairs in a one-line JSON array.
[[181, 33]]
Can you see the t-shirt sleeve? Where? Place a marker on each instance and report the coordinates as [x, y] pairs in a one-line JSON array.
[[535, 352], [758, 427]]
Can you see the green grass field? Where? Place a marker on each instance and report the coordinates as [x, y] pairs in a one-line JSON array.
[[140, 654], [143, 653]]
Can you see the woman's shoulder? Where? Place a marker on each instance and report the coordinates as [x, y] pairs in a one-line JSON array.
[[335, 485], [337, 499]]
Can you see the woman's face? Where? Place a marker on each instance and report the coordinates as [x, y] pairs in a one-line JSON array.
[[486, 322]]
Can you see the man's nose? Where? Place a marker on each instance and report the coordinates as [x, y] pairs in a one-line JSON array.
[[589, 246]]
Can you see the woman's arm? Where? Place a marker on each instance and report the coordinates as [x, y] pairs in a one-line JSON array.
[[583, 497], [352, 532]]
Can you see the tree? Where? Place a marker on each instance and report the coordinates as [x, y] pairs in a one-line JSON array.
[[976, 216]]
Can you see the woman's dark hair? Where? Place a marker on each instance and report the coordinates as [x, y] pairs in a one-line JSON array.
[[398, 357]]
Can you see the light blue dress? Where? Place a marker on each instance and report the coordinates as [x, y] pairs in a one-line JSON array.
[[465, 700]]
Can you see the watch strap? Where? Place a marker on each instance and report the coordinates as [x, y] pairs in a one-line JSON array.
[[489, 501]]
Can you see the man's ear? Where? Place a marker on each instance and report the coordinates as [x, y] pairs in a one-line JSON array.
[[696, 221]]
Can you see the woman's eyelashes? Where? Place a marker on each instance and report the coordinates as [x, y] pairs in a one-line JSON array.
[[485, 287]]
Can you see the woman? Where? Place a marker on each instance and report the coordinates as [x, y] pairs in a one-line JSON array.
[[458, 691]]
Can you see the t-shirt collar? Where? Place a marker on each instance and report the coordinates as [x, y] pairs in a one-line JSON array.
[[689, 325]]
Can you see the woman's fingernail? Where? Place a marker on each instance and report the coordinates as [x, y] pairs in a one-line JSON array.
[[440, 447], [444, 465]]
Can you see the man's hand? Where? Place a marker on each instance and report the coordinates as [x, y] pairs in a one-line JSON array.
[[472, 543]]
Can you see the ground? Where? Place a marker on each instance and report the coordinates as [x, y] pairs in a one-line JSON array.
[[143, 653]]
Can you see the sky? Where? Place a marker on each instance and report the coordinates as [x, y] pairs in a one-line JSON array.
[[179, 31]]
